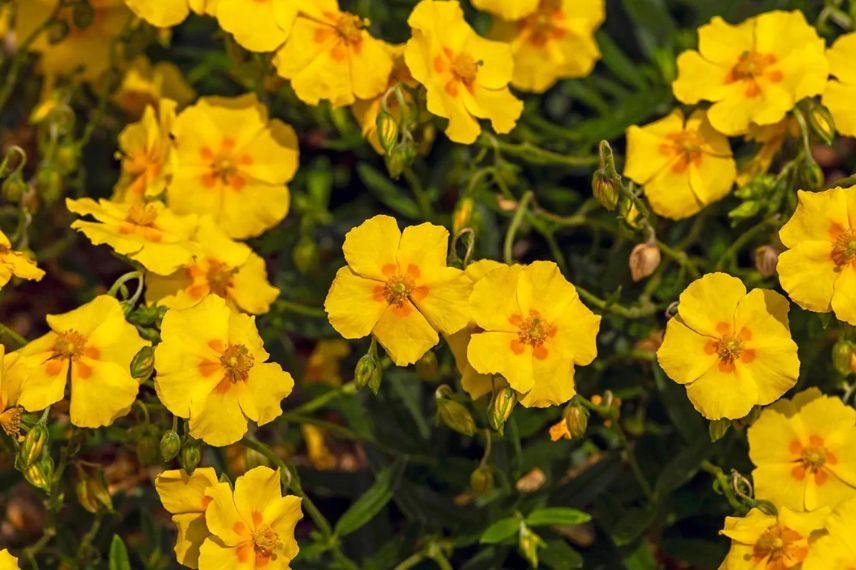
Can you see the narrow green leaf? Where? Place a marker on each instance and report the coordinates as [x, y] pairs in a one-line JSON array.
[[372, 501], [119, 554], [621, 65], [501, 530], [674, 398], [558, 555], [632, 524], [557, 516], [683, 466]]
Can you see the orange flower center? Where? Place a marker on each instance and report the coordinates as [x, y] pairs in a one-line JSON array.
[[465, 68], [237, 362], [783, 547], [844, 247], [262, 542], [533, 331], [266, 542], [400, 288], [462, 67], [350, 28], [10, 420], [547, 23], [686, 145], [813, 458], [143, 215], [219, 277], [730, 348], [224, 165], [751, 67], [69, 346]]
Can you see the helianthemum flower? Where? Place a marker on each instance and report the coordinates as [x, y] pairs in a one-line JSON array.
[[398, 288], [92, 346], [233, 163], [682, 164], [732, 349], [146, 151], [555, 42], [802, 452], [818, 270], [507, 9], [12, 376], [765, 542], [535, 330], [16, 263], [841, 92], [837, 548], [146, 84], [149, 233], [466, 75], [331, 55], [222, 267], [258, 25], [753, 72], [252, 526], [183, 496], [212, 369]]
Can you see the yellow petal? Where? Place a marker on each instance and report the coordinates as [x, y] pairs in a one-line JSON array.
[[183, 493], [351, 305], [808, 275], [710, 300], [252, 23], [838, 98], [844, 295], [682, 355], [192, 532], [554, 383], [222, 518], [283, 515], [255, 491], [104, 395], [446, 303], [267, 385], [372, 245], [405, 334], [160, 13], [718, 394], [770, 438], [491, 353], [508, 9], [494, 299], [217, 418]]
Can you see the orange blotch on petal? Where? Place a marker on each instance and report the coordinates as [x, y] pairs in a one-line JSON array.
[[54, 367]]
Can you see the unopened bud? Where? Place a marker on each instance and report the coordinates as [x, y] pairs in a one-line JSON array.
[[501, 405], [529, 543], [191, 455], [368, 373], [170, 445], [481, 481], [34, 444], [463, 216], [67, 157], [84, 497], [387, 131], [305, 255], [14, 187], [766, 260], [49, 182], [400, 157], [92, 493], [576, 417], [812, 175], [644, 260], [255, 459], [843, 355], [143, 364], [822, 123], [718, 428], [427, 366], [605, 190], [40, 473], [454, 414]]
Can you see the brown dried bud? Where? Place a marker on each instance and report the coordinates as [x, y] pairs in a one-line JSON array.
[[531, 481], [766, 260], [644, 260]]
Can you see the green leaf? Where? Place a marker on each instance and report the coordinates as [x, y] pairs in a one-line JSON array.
[[501, 530], [633, 524], [557, 516], [686, 420], [372, 501], [560, 556], [621, 65], [683, 466], [391, 195], [119, 554]]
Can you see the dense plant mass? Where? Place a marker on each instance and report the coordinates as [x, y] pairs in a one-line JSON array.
[[427, 284]]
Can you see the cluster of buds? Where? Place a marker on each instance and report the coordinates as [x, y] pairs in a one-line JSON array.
[[34, 459], [369, 370], [91, 488]]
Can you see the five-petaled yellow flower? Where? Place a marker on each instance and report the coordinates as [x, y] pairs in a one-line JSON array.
[[222, 267], [555, 42], [149, 233], [146, 83], [765, 542], [837, 548], [252, 526], [12, 377], [818, 270], [92, 346], [212, 369], [16, 263], [732, 349], [841, 92], [802, 451], [183, 496], [683, 164], [466, 75], [146, 151], [233, 163], [753, 72], [331, 55], [535, 330], [398, 288]]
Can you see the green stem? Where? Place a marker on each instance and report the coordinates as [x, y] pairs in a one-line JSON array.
[[321, 401], [645, 309], [537, 155], [301, 309], [515, 225], [681, 258], [745, 238], [21, 55], [419, 192], [724, 485], [15, 337]]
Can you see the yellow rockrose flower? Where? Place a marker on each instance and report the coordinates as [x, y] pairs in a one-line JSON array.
[[683, 164], [92, 346], [535, 330], [760, 541], [160, 13], [466, 75], [801, 452], [149, 233], [222, 267], [7, 561], [818, 270], [183, 496], [731, 349], [145, 83], [325, 362], [256, 25], [212, 368], [331, 55], [398, 288], [12, 376], [837, 548], [753, 72], [16, 263], [233, 163], [841, 92], [146, 151], [252, 527], [508, 9], [555, 42]]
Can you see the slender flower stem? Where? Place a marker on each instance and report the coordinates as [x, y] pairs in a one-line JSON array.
[[745, 238], [681, 258], [21, 55], [645, 309], [12, 335], [300, 309], [537, 155], [724, 485], [515, 225]]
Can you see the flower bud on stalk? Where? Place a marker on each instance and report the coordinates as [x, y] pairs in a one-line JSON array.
[[170, 446], [387, 131], [501, 405], [644, 260], [812, 175], [481, 481], [49, 182], [368, 372], [191, 455], [605, 190], [529, 543], [843, 355], [14, 187], [40, 473], [454, 414], [34, 443], [255, 459], [143, 364], [766, 260], [822, 123], [463, 215]]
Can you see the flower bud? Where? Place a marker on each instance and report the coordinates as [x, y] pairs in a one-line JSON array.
[[576, 417], [644, 260], [766, 260], [67, 157], [481, 480], [454, 414], [368, 372], [605, 190], [34, 444], [84, 497], [501, 405], [14, 187], [822, 123], [255, 459], [387, 131], [170, 445], [400, 157], [143, 364], [843, 355], [463, 216], [812, 175], [305, 255], [92, 493], [529, 543], [49, 182], [40, 473], [427, 366], [191, 455]]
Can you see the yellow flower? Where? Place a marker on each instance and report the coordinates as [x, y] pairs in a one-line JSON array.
[[149, 233], [86, 49], [508, 9], [183, 496], [16, 263], [841, 92], [731, 349], [397, 287], [837, 549], [324, 363], [256, 25], [802, 452], [93, 346], [212, 368], [252, 527], [146, 151], [12, 377], [222, 267], [760, 541], [160, 13], [331, 55], [466, 75], [320, 456], [683, 164], [771, 139], [7, 561], [555, 42], [535, 330], [818, 270], [753, 72], [233, 163], [146, 84]]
